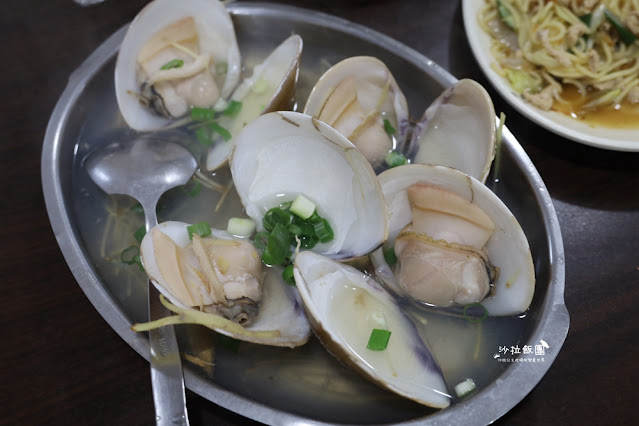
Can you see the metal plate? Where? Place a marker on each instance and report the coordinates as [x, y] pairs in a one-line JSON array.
[[283, 386]]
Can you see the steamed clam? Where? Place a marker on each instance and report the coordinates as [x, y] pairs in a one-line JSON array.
[[223, 277], [175, 55], [281, 155], [360, 98], [439, 138], [271, 87], [455, 241], [344, 305]]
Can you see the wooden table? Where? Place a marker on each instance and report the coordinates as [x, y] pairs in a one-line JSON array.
[[63, 364]]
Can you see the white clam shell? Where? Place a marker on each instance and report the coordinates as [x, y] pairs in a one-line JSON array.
[[283, 154], [458, 130], [280, 309], [216, 34], [343, 323], [507, 248], [278, 75]]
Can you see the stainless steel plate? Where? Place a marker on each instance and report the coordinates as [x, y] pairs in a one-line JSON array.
[[283, 386]]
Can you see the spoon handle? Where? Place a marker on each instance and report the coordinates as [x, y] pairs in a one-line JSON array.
[[166, 369], [167, 379]]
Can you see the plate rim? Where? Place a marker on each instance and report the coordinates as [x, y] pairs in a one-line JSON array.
[[558, 123], [479, 408]]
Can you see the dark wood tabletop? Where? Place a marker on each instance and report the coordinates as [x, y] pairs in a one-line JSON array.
[[63, 364]]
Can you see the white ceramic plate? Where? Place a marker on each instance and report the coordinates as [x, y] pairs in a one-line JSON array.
[[561, 124]]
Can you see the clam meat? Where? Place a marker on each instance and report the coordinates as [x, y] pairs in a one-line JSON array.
[[454, 241], [360, 98], [223, 276]]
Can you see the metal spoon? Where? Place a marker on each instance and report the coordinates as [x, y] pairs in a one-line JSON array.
[[145, 168]]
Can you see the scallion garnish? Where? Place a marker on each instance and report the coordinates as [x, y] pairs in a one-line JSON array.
[[139, 233], [192, 188], [388, 127], [233, 108], [202, 114], [283, 228], [287, 275], [138, 260], [475, 319], [203, 136], [202, 229], [624, 33], [394, 159], [324, 231], [378, 341], [175, 63], [128, 254], [302, 207], [137, 208], [390, 256], [226, 135]]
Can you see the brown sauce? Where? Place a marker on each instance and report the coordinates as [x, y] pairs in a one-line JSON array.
[[619, 116]]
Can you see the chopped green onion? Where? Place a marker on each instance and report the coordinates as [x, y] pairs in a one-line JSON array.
[[390, 257], [295, 229], [137, 208], [394, 159], [175, 63], [276, 216], [233, 108], [260, 86], [277, 248], [388, 127], [286, 205], [226, 135], [303, 207], [287, 275], [139, 233], [624, 33], [324, 231], [221, 68], [315, 218], [203, 136], [471, 319], [202, 229], [192, 188], [128, 255], [202, 114], [465, 387], [261, 240], [138, 260], [506, 15], [378, 341], [240, 226]]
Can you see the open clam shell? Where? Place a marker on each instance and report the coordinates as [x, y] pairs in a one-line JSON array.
[[281, 155], [355, 96], [271, 87], [507, 248], [280, 319], [216, 36], [344, 305], [457, 130]]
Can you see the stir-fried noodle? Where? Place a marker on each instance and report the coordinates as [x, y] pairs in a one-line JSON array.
[[542, 47]]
